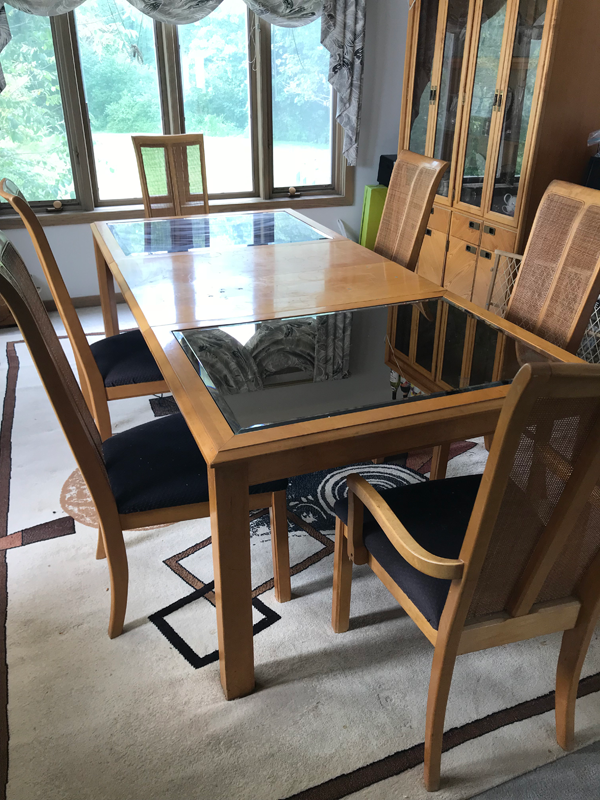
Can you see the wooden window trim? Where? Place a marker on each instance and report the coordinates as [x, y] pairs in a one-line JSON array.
[[89, 208]]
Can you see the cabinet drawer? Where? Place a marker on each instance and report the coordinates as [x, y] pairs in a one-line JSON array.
[[432, 256], [495, 238], [466, 228], [439, 219], [483, 275], [460, 267]]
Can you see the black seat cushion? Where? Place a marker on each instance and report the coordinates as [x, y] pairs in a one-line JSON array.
[[436, 514], [159, 465], [124, 359]]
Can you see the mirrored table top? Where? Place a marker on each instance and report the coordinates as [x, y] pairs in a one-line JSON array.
[[277, 372], [187, 234]]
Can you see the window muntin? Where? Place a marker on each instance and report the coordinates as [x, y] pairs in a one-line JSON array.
[[216, 94], [120, 78], [34, 152], [302, 103]]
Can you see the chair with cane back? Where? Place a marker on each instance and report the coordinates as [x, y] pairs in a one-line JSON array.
[[146, 476], [558, 281], [408, 203], [113, 368], [172, 174], [484, 560]]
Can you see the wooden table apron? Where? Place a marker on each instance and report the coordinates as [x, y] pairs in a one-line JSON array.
[[347, 276]]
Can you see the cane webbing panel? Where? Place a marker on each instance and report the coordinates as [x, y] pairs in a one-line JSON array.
[[406, 204], [574, 280], [547, 452], [547, 242], [13, 270], [173, 174]]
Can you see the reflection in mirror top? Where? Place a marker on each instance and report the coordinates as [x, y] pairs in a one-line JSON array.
[[186, 234], [277, 372]]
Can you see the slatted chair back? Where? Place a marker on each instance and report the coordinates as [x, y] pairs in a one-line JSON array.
[[86, 364], [559, 279], [534, 534], [408, 203], [21, 296], [172, 174]]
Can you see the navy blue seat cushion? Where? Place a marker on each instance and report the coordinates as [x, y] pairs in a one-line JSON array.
[[124, 359], [436, 514], [159, 465]]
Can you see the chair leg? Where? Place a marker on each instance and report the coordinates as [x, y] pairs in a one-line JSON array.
[[575, 643], [487, 441], [342, 580], [439, 462], [100, 552], [280, 546], [437, 700], [116, 556], [99, 410]]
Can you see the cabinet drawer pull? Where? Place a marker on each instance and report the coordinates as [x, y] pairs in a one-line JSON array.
[[489, 229], [432, 210], [485, 254], [428, 232], [475, 226], [470, 249]]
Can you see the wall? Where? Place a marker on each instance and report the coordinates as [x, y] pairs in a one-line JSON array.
[[384, 63]]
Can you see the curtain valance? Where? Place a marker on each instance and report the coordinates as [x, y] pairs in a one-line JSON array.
[[342, 34]]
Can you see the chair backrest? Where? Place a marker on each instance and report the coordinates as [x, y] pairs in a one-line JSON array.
[[559, 279], [535, 528], [86, 364], [414, 184], [173, 174], [21, 296]]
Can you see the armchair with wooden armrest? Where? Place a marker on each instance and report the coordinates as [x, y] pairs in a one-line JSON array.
[[480, 561]]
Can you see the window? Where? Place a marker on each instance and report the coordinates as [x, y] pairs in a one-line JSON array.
[[81, 84], [33, 143]]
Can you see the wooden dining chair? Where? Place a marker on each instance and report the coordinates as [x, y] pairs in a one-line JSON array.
[[172, 174], [558, 281], [408, 203], [483, 560], [111, 369], [148, 475]]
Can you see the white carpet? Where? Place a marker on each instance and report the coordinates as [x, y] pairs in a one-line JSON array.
[[131, 719]]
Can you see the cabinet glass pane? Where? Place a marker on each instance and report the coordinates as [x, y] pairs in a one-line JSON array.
[[423, 68], [493, 17], [517, 104], [449, 90]]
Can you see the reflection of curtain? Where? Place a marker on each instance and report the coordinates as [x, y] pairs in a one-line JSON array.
[[281, 345], [227, 362], [342, 34], [332, 346]]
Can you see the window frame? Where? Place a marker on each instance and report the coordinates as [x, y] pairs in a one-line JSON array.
[[87, 205]]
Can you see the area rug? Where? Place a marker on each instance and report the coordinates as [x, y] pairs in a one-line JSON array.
[[143, 716]]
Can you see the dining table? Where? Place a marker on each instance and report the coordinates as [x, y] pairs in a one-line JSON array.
[[290, 349]]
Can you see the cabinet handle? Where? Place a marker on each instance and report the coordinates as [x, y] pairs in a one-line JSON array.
[[432, 210], [470, 249], [500, 96], [432, 94], [428, 232], [495, 100], [485, 254], [475, 226], [489, 229]]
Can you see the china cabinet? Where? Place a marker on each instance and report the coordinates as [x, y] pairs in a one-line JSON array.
[[507, 91]]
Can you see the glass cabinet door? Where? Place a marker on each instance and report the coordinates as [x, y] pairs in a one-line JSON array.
[[484, 100], [450, 85], [518, 100], [421, 96]]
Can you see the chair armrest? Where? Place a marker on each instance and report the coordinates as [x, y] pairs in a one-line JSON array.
[[410, 550]]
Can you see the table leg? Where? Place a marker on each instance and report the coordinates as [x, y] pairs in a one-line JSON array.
[[106, 285], [230, 529]]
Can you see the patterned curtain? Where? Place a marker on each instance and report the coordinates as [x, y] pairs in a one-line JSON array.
[[342, 34]]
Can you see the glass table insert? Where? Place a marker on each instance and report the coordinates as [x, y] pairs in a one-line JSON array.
[[189, 234], [277, 372]]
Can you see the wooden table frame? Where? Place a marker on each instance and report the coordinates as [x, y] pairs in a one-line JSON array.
[[236, 461]]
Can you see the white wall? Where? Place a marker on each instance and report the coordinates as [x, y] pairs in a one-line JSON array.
[[382, 95]]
